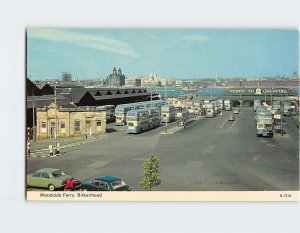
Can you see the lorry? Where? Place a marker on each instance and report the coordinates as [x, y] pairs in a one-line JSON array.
[[264, 124]]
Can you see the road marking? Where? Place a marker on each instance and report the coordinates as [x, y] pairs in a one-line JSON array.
[[272, 145], [223, 124], [258, 156], [233, 123], [209, 149]]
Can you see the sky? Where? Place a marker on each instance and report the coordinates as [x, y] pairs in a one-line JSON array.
[[170, 53]]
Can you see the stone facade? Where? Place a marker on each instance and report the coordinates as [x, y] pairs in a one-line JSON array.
[[71, 122], [116, 79]]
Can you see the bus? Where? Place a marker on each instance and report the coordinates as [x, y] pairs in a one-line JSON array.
[[152, 104], [190, 106], [256, 105], [264, 125], [122, 109], [227, 105], [142, 119], [168, 113], [110, 112], [198, 110]]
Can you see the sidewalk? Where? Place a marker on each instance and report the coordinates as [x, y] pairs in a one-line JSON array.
[[44, 144], [174, 127]]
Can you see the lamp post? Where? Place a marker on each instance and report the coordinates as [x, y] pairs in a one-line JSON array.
[[56, 130], [166, 105], [281, 116], [33, 120]]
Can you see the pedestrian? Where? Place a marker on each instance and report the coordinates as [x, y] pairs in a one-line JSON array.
[[28, 148], [221, 114], [69, 184]]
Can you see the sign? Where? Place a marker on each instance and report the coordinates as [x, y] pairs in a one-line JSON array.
[[258, 91]]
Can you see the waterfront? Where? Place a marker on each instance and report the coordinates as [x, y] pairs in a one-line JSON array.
[[176, 91]]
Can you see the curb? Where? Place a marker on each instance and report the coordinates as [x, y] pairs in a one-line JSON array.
[[44, 152]]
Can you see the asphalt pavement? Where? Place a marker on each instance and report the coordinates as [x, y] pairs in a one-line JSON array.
[[210, 154]]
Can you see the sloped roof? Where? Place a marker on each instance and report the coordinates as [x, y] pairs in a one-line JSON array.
[[119, 96], [46, 100]]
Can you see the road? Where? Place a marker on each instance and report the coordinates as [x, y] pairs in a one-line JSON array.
[[211, 154]]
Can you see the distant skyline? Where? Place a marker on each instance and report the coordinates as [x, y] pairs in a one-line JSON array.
[[170, 53]]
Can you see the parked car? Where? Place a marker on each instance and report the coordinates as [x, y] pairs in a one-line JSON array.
[[105, 183], [236, 111], [231, 117], [51, 178]]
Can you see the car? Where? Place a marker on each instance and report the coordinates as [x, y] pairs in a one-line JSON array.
[[105, 183], [231, 117], [52, 179], [236, 111]]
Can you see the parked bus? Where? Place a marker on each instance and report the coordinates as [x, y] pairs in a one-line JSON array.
[[152, 104], [257, 104], [210, 110], [167, 113], [220, 104], [110, 112], [122, 109], [227, 105], [190, 106], [198, 108], [142, 119], [264, 125]]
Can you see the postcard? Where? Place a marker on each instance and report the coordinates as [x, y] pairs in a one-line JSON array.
[[162, 114]]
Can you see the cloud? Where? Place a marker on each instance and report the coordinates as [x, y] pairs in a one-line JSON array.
[[199, 38], [96, 42]]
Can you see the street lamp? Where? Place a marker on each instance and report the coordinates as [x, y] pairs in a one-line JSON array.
[[281, 116], [33, 119], [56, 130], [166, 105]]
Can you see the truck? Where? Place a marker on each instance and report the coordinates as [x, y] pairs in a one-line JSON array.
[[264, 124], [227, 105]]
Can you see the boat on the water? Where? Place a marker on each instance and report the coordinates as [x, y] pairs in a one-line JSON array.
[[189, 89]]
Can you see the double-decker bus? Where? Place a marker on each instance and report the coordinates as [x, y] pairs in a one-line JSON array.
[[227, 105], [168, 113], [152, 104], [122, 109], [142, 119], [110, 112]]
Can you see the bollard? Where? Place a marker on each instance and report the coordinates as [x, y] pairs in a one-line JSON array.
[[51, 149]]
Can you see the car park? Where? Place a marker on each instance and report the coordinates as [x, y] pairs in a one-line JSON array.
[[52, 179], [105, 183]]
